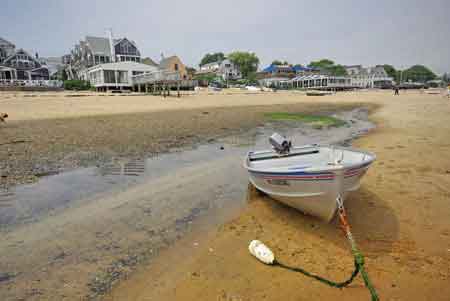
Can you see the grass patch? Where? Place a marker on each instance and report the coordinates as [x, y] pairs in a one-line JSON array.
[[317, 121]]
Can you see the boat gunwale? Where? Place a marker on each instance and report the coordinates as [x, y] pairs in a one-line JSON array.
[[314, 170]]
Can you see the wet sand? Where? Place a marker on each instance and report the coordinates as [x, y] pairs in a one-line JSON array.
[[84, 230], [50, 132], [400, 218]]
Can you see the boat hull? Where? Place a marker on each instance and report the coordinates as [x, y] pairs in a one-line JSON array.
[[313, 193]]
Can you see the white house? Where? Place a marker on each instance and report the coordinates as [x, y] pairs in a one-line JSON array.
[[321, 81], [225, 69], [93, 51], [116, 76], [371, 77]]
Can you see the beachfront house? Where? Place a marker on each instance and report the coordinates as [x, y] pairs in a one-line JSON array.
[[94, 51], [370, 77], [116, 76], [19, 65], [321, 82], [225, 69], [173, 64], [276, 76]]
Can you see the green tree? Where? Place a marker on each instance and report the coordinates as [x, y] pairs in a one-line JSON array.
[[391, 71], [323, 63], [328, 66], [211, 58], [246, 61], [418, 73], [338, 70], [278, 63]]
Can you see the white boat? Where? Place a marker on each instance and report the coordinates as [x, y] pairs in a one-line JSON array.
[[309, 178]]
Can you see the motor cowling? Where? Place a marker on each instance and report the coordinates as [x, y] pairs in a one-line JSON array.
[[280, 143]]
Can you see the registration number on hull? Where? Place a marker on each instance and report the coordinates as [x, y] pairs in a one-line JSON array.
[[278, 182]]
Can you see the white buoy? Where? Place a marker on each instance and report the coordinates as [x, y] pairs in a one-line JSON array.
[[261, 251]]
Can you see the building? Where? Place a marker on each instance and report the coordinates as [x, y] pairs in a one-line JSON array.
[[173, 63], [149, 61], [93, 51], [19, 64], [278, 71], [321, 82], [226, 69], [371, 77], [54, 65], [278, 76], [116, 76]]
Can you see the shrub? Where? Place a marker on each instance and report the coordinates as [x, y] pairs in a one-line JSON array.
[[77, 85]]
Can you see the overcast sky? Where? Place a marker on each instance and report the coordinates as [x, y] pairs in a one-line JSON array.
[[398, 32]]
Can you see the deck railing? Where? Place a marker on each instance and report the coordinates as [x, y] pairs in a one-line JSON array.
[[155, 76], [31, 83]]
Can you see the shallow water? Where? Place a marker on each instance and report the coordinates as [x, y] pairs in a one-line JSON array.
[[29, 203]]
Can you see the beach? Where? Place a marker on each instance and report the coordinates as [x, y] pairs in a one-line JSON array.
[[399, 216]]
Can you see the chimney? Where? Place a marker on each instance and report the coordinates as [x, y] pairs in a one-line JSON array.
[[111, 45]]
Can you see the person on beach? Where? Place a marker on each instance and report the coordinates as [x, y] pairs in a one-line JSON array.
[[396, 90]]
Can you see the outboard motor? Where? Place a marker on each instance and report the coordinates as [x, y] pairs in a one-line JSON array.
[[280, 144]]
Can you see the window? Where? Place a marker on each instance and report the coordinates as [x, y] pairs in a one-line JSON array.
[[176, 67], [109, 77]]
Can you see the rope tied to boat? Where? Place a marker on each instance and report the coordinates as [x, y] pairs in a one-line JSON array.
[[358, 259]]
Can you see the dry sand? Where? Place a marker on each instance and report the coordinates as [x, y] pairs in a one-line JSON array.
[[400, 218], [54, 105]]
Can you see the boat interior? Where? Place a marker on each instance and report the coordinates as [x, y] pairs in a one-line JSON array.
[[306, 157]]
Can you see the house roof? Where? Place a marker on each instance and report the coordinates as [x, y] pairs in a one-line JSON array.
[[165, 62], [5, 42], [317, 76], [211, 64], [117, 41], [24, 52], [149, 61], [298, 68], [99, 45], [274, 68]]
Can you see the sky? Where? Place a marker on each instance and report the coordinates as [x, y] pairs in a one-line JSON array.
[[397, 32]]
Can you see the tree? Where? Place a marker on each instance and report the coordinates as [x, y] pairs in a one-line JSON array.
[[278, 63], [338, 70], [211, 58], [246, 61], [391, 71], [329, 66], [323, 63], [418, 73]]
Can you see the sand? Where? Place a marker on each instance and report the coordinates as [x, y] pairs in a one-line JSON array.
[[34, 143], [53, 105], [400, 218]]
